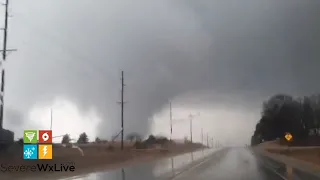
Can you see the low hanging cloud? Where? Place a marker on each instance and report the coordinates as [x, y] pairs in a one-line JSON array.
[[239, 51]]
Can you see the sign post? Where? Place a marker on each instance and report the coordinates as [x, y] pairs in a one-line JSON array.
[[289, 138]]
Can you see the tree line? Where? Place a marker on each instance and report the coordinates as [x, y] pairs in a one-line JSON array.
[[83, 138], [283, 114]]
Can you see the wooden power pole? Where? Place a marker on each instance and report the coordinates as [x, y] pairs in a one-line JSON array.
[[4, 57], [170, 121], [122, 92]]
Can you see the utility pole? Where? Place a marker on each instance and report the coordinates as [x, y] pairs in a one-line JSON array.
[[207, 139], [122, 91], [170, 121], [202, 136], [123, 173], [212, 142], [4, 56], [191, 116]]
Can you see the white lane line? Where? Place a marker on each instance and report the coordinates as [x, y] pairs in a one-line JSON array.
[[191, 168], [274, 171], [271, 169], [74, 177], [202, 162]]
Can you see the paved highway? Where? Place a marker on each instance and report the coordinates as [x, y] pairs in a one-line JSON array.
[[231, 164], [226, 164]]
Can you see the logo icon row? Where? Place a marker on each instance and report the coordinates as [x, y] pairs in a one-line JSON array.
[[34, 151], [37, 136]]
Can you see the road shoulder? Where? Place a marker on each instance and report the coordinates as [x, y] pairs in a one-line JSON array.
[[290, 162]]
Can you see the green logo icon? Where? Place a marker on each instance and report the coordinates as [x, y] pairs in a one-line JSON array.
[[30, 136]]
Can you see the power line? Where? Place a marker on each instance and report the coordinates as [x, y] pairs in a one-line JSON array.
[[4, 56]]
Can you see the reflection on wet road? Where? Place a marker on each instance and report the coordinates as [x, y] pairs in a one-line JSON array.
[[234, 163], [161, 169], [213, 164], [225, 164]]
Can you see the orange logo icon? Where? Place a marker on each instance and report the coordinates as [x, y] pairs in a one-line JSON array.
[[45, 151]]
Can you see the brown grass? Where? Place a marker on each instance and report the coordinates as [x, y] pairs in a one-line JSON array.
[[308, 154]]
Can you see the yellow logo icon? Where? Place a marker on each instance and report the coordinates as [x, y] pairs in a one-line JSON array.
[[288, 137], [45, 151]]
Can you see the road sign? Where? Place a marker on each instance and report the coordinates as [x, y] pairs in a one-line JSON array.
[[288, 137]]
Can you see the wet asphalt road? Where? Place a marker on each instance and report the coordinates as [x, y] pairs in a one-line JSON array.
[[225, 164], [232, 164], [160, 169]]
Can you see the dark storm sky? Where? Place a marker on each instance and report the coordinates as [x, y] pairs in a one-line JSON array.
[[76, 49]]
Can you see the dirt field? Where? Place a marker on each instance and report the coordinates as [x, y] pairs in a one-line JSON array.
[[96, 157]]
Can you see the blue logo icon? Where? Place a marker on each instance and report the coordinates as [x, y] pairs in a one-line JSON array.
[[30, 151]]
